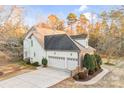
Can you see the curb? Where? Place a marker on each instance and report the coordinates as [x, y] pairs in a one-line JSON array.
[[95, 79]]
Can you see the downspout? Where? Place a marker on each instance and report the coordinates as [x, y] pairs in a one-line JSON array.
[[78, 60], [45, 49]]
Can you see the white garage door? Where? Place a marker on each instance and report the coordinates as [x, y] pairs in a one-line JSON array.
[[58, 62], [72, 63]]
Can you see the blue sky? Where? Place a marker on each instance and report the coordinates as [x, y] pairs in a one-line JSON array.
[[36, 13]]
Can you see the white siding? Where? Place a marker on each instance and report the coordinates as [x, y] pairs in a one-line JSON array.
[[37, 52], [62, 54], [26, 48], [83, 42], [31, 50], [61, 59], [26, 45]]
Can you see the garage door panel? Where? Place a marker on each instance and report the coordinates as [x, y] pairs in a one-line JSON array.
[[58, 62], [72, 63]]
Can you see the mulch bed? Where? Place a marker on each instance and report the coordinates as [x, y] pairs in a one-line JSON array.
[[91, 76]]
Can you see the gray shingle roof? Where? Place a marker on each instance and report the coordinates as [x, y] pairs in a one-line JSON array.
[[59, 42]]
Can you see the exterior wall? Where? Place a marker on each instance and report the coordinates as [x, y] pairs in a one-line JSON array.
[[62, 54], [26, 45], [26, 48], [70, 65], [83, 42], [35, 52]]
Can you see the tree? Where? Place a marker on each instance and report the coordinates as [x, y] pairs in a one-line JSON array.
[[89, 63], [109, 45], [94, 62], [60, 25], [80, 29], [113, 28], [98, 60], [104, 27], [112, 42], [12, 29], [104, 15], [55, 22], [72, 18], [82, 26], [12, 23], [83, 20], [95, 35]]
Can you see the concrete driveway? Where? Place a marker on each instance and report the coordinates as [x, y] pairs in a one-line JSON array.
[[43, 77]]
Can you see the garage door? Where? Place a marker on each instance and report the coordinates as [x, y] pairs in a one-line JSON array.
[[58, 62], [72, 63]]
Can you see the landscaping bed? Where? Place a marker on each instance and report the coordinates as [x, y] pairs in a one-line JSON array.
[[91, 76], [91, 66]]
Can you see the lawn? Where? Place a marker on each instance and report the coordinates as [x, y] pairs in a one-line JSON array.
[[14, 68], [115, 78]]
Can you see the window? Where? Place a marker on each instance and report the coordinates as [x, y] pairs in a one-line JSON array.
[[31, 42], [58, 58], [72, 59]]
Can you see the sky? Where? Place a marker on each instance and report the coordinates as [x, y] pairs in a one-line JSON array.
[[39, 13]]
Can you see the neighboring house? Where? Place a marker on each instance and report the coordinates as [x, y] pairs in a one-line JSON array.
[[61, 50]]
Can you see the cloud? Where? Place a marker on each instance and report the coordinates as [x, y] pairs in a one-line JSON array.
[[82, 8]]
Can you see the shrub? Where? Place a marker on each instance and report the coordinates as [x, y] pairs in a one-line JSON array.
[[35, 64], [86, 61], [89, 63], [94, 61], [76, 77], [44, 62], [98, 60], [27, 61], [83, 74]]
